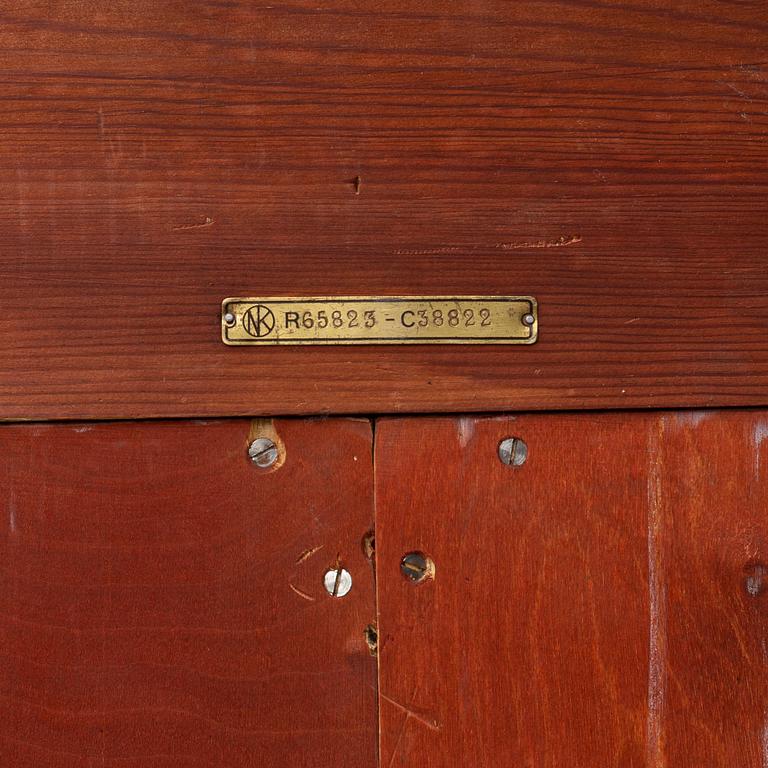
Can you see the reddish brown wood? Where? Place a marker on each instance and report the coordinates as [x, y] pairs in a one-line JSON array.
[[607, 158], [162, 604], [600, 606], [711, 561]]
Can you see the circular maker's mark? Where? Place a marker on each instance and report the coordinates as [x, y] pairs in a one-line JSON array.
[[258, 321]]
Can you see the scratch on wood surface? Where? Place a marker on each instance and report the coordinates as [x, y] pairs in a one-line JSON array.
[[301, 593], [559, 242], [751, 69], [207, 222], [101, 122], [466, 428], [12, 512], [430, 723], [693, 418], [736, 90], [755, 580], [764, 740], [399, 738], [307, 553], [657, 606], [758, 436], [431, 251]]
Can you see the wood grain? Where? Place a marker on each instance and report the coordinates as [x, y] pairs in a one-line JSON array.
[[162, 599], [600, 605], [711, 573], [607, 158]]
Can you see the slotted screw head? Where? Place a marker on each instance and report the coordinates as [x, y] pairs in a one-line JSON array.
[[513, 451], [263, 452], [337, 581], [417, 567]]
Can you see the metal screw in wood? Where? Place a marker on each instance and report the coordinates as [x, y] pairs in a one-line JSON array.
[[337, 581], [417, 567], [513, 451], [263, 452]]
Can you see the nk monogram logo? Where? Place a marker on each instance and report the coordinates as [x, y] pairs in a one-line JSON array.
[[258, 321]]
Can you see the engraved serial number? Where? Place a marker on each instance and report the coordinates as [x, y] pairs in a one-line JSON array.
[[371, 318], [274, 320]]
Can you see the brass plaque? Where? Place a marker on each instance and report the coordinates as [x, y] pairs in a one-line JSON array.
[[380, 320]]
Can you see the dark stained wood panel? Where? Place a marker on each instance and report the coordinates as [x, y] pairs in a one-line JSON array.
[[607, 158], [601, 605], [162, 599]]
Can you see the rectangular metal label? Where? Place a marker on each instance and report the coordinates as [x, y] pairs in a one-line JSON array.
[[380, 320]]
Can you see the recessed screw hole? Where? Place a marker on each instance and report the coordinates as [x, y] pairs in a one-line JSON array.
[[417, 567], [513, 451], [263, 452]]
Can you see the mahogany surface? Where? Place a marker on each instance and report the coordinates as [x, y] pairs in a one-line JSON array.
[[162, 601], [608, 158], [602, 605]]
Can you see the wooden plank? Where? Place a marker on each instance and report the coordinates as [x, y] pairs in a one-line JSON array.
[[710, 550], [531, 643], [162, 600], [600, 605], [608, 159]]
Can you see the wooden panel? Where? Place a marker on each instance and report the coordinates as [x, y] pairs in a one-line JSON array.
[[607, 158], [601, 605], [162, 599], [710, 555]]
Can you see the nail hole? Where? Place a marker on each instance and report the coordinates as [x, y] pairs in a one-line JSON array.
[[372, 639], [417, 567], [369, 545]]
